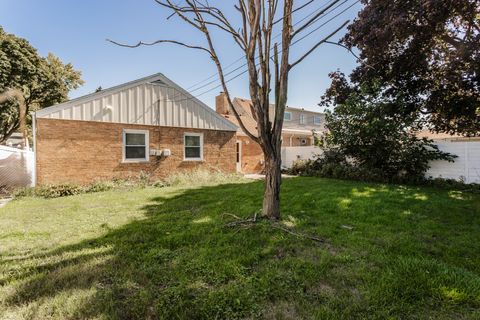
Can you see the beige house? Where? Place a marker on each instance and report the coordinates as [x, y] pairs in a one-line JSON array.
[[149, 125], [299, 130]]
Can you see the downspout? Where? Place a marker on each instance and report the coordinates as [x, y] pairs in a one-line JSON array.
[[34, 135]]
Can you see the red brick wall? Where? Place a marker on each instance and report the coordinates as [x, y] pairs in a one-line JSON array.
[[252, 155], [84, 151]]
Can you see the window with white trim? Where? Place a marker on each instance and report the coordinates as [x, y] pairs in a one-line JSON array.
[[287, 116], [317, 120], [193, 147], [302, 118], [135, 145]]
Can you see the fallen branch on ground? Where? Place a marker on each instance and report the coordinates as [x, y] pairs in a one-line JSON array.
[[246, 223], [240, 221], [297, 234]]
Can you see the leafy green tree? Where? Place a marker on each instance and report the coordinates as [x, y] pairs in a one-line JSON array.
[[44, 81], [366, 129], [424, 52]]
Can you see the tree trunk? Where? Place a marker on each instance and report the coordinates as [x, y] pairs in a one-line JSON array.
[[273, 179]]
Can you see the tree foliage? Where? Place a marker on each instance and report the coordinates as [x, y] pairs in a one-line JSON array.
[[425, 53], [366, 129], [44, 81]]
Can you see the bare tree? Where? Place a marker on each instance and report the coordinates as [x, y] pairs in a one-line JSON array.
[[265, 60], [17, 94]]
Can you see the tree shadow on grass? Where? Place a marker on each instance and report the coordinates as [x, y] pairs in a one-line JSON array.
[[181, 261]]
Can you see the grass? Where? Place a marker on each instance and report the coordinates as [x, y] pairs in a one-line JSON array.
[[390, 252]]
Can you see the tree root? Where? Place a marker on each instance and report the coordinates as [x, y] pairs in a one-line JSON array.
[[244, 224]]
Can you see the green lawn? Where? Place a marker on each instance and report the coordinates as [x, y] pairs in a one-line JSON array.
[[389, 252]]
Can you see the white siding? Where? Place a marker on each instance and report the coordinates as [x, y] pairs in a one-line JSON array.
[[141, 103], [465, 167], [292, 154]]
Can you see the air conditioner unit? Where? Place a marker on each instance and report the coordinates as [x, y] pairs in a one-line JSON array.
[[166, 152], [154, 152], [303, 141]]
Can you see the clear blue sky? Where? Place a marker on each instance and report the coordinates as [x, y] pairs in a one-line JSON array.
[[76, 31]]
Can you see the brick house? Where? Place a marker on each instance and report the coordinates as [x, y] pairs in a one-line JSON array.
[[299, 130], [149, 125]]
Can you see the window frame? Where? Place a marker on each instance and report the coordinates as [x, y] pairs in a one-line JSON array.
[[315, 120], [289, 114], [124, 146], [192, 134], [302, 118]]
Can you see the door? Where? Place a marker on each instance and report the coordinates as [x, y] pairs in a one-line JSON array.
[[239, 156]]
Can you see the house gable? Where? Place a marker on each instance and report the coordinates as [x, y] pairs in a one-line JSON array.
[[153, 100]]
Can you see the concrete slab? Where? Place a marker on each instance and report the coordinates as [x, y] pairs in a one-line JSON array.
[[4, 201], [257, 176]]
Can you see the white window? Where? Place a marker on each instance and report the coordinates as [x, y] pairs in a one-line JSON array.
[[287, 116], [135, 145], [317, 120], [302, 118], [193, 147]]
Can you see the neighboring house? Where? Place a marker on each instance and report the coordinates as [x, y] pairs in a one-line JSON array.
[[299, 130], [150, 125], [467, 164], [15, 141]]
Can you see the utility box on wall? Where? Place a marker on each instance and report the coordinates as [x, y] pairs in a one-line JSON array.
[[166, 152]]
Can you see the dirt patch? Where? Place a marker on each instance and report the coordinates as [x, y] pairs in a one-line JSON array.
[[282, 310]]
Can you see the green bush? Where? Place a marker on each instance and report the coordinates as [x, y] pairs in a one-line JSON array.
[[187, 178], [100, 186], [61, 190], [333, 165], [368, 129], [49, 191], [453, 184]]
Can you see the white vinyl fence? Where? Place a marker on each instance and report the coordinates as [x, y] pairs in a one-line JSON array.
[[16, 167], [466, 167], [291, 154]]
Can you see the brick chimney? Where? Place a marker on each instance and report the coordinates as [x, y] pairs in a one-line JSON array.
[[221, 104]]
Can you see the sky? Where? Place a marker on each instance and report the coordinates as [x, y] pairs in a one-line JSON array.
[[76, 32]]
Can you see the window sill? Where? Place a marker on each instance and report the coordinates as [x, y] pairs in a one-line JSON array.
[[193, 160], [135, 161]]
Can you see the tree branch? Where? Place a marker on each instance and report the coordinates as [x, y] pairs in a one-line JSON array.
[[141, 43]]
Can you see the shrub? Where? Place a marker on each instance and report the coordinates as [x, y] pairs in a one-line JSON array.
[[100, 186], [332, 165], [368, 128], [187, 178], [453, 184], [49, 191], [61, 190]]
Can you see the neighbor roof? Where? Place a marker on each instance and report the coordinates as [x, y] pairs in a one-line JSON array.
[[442, 136], [244, 109]]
